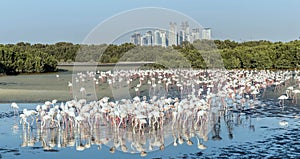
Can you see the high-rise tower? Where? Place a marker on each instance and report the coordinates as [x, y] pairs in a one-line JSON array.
[[173, 34], [156, 37], [163, 38], [206, 34], [195, 34], [136, 38]]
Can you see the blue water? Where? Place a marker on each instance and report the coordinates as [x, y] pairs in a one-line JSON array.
[[253, 133]]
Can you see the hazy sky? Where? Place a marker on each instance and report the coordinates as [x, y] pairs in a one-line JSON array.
[[37, 21]]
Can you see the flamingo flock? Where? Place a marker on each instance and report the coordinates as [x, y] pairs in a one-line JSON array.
[[191, 102]]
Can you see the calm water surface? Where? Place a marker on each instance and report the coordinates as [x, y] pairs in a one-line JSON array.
[[251, 133]]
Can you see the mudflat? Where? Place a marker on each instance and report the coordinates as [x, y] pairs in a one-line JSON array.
[[35, 87]]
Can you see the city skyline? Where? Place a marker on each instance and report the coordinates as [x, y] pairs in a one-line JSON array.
[[173, 36]]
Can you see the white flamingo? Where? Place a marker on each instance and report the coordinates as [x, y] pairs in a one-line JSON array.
[[15, 107]]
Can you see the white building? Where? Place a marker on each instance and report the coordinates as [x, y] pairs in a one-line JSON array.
[[136, 38], [157, 37], [184, 33], [147, 39], [173, 34], [181, 37], [206, 34], [163, 38], [195, 35]]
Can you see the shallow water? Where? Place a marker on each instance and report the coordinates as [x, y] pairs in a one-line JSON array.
[[251, 133]]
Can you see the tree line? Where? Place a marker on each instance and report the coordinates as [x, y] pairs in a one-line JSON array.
[[25, 57]]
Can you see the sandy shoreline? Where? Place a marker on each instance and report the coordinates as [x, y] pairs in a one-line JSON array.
[[35, 88]]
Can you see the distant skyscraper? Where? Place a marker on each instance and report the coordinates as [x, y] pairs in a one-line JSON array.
[[147, 39], [187, 31], [184, 33], [173, 34], [144, 40], [136, 38], [156, 37], [181, 37], [206, 34], [195, 34], [164, 40]]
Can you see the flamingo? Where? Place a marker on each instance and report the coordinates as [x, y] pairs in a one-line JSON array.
[[140, 120], [283, 97], [29, 113], [289, 91], [23, 120], [70, 85], [15, 107], [200, 114], [48, 104], [83, 92], [254, 93], [295, 94]]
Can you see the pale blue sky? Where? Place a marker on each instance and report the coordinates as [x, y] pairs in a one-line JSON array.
[[37, 21]]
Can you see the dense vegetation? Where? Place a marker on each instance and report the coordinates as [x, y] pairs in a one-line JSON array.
[[24, 57], [21, 58]]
